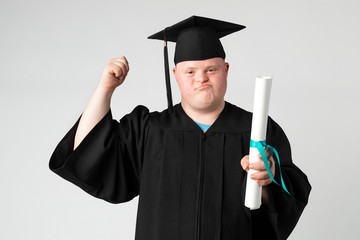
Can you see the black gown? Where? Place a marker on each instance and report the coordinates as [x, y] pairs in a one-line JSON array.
[[190, 184]]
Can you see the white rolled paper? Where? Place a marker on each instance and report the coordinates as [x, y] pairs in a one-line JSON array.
[[258, 133]]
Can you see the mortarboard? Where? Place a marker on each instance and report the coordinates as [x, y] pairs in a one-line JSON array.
[[197, 38]]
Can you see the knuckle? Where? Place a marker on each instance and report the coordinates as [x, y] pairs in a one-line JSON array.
[[260, 182]]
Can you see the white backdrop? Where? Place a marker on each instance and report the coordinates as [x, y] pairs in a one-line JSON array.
[[52, 54]]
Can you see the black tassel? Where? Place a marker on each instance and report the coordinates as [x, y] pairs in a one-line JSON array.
[[167, 76]]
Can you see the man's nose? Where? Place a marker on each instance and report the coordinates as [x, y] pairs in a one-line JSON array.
[[203, 77]]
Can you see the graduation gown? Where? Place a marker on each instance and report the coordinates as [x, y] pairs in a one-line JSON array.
[[190, 184]]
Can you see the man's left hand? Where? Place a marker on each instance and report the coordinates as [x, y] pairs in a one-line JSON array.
[[261, 177]]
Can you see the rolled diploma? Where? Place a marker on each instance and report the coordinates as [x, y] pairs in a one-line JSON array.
[[258, 133]]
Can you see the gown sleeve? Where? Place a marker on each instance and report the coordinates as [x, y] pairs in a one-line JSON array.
[[107, 163], [280, 216]]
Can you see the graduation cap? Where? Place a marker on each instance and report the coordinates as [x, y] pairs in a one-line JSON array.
[[197, 38]]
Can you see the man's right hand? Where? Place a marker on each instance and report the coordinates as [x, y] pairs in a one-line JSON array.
[[114, 74]]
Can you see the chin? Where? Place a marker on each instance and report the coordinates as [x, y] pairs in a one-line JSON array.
[[203, 103], [207, 104]]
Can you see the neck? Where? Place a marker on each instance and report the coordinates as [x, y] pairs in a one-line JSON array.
[[204, 115]]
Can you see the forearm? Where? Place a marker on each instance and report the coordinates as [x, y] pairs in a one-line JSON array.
[[113, 76], [97, 107], [265, 195]]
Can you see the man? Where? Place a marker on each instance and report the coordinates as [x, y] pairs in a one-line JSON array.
[[188, 163]]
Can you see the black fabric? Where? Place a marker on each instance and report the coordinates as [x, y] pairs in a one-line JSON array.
[[198, 43], [197, 38], [190, 184], [221, 27]]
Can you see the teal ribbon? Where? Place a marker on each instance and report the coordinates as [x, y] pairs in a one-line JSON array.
[[259, 145]]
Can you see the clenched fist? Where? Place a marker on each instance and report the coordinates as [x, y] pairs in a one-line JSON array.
[[114, 74], [262, 177]]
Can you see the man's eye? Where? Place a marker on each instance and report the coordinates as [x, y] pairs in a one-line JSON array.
[[190, 72]]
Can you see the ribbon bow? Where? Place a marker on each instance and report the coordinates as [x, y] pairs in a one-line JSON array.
[[259, 145]]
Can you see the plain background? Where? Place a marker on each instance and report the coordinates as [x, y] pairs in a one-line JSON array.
[[52, 54]]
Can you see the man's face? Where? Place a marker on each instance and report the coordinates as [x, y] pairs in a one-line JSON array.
[[202, 83]]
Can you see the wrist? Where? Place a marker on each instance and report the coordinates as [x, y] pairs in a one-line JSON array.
[[104, 91]]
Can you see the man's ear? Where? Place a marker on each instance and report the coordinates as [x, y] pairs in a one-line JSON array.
[[227, 65], [174, 71]]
